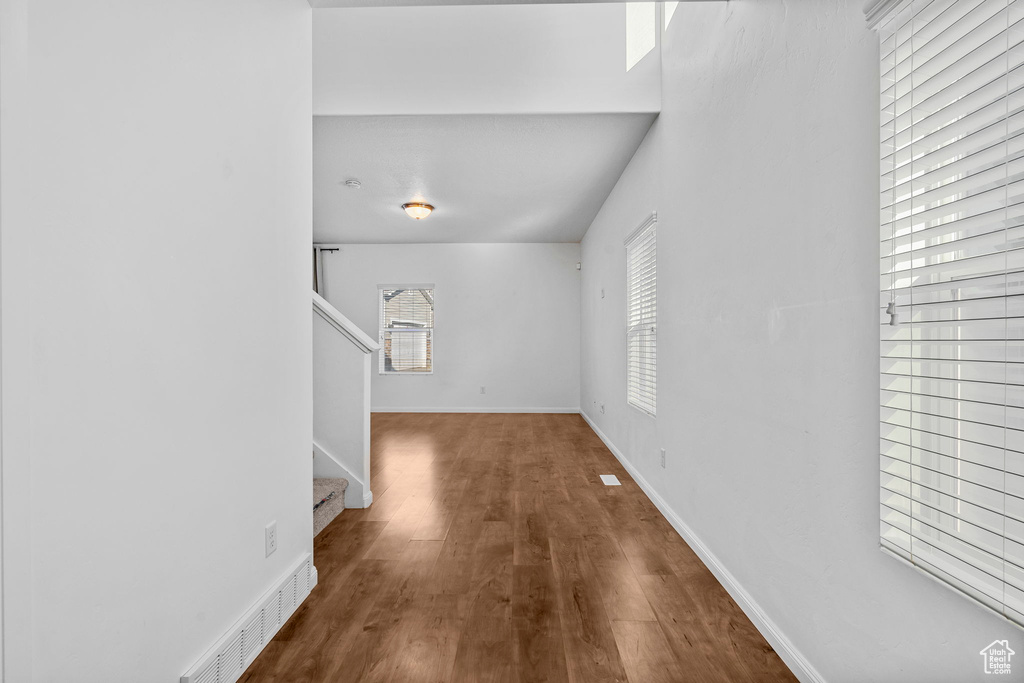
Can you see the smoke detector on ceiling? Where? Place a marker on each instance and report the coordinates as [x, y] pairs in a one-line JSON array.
[[353, 183]]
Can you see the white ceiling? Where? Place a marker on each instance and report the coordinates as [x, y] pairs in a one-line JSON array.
[[428, 3], [495, 59], [492, 178]]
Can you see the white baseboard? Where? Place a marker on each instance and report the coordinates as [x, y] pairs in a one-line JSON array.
[[231, 655], [476, 410], [326, 465], [793, 658], [367, 499]]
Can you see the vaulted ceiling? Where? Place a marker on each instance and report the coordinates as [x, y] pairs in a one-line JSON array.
[[514, 121], [511, 178]]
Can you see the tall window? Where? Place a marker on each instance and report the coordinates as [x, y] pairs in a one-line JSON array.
[[642, 317], [406, 329], [641, 31], [952, 271]]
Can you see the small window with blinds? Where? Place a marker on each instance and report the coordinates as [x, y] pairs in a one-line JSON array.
[[952, 295], [642, 317], [406, 329]]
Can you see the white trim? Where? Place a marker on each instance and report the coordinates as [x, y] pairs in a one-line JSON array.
[[356, 485], [342, 324], [642, 411], [793, 658], [648, 222], [422, 285], [877, 10], [381, 331], [948, 586], [496, 409], [261, 621], [367, 499]]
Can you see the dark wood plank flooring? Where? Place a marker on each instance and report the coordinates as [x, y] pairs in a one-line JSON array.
[[493, 552]]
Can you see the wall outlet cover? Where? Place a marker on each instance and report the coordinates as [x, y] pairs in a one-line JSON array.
[[270, 538]]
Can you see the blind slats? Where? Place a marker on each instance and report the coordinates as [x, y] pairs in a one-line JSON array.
[[951, 256], [642, 317], [406, 329]]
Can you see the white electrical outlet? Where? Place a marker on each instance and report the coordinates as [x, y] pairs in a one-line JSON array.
[[483, 390], [663, 457], [271, 538]]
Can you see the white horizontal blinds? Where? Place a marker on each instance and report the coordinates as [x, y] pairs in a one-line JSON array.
[[952, 232], [642, 317], [406, 329]]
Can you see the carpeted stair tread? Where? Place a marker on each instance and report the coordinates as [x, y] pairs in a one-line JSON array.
[[325, 513]]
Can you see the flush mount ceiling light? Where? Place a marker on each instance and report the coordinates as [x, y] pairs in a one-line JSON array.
[[417, 210]]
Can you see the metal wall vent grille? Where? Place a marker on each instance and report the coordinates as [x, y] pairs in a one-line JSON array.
[[208, 674], [226, 661], [252, 636]]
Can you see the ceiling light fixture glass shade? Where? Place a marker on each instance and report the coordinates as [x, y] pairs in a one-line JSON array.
[[417, 210]]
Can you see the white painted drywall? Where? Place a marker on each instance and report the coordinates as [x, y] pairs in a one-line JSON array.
[[167, 384], [493, 59], [506, 317], [341, 410], [763, 169], [15, 341]]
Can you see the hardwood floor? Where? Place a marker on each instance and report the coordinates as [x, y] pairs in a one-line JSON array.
[[493, 552]]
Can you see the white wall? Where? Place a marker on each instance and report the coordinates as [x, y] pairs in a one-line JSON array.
[[492, 59], [166, 391], [507, 318], [15, 214], [341, 410], [763, 169]]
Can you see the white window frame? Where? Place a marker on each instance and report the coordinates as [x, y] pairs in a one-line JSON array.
[[381, 330], [935, 418], [641, 392]]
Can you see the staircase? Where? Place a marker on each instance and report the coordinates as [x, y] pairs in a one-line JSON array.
[[342, 356], [328, 501]]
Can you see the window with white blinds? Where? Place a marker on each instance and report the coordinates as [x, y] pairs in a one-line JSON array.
[[952, 356], [642, 317], [406, 329]]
